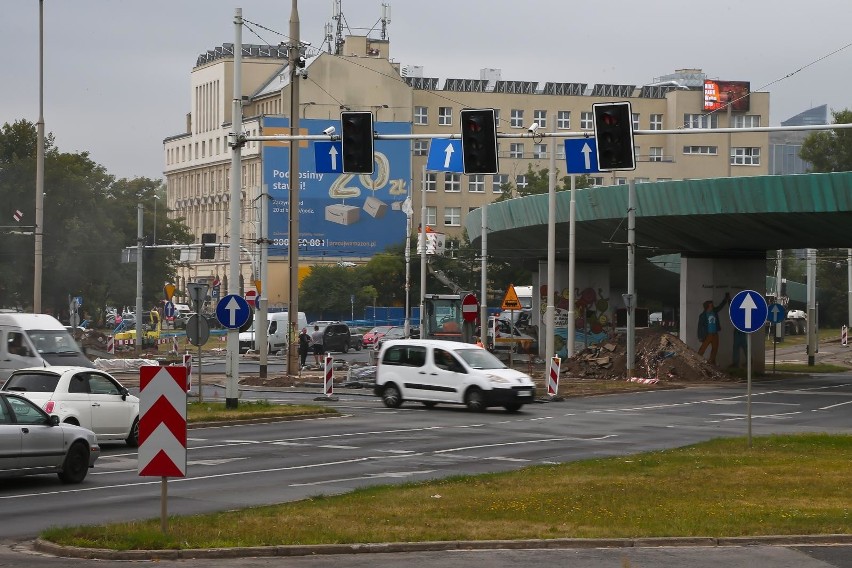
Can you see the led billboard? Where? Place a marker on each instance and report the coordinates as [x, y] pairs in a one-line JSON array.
[[718, 93]]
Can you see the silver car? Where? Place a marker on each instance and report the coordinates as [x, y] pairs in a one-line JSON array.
[[31, 442]]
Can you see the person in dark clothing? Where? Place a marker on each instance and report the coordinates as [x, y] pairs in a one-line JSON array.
[[709, 327], [304, 346]]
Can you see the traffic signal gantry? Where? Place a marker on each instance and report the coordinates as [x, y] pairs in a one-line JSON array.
[[356, 141], [614, 136], [479, 141]]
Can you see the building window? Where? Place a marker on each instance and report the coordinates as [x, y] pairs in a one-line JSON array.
[[431, 182], [560, 150], [587, 120], [452, 216], [516, 150], [656, 122], [563, 119], [635, 121], [656, 154], [421, 115], [540, 116], [452, 182], [521, 182], [642, 180], [517, 118], [445, 116], [496, 118], [431, 216], [745, 156], [421, 147], [476, 183], [703, 150], [498, 181], [700, 121], [745, 121], [540, 151], [620, 181]]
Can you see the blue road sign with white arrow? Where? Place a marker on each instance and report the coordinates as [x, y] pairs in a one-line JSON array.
[[748, 311], [445, 155], [581, 155], [169, 310], [328, 157], [232, 311], [776, 313]]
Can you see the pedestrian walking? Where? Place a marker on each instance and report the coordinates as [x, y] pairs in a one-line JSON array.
[[304, 347]]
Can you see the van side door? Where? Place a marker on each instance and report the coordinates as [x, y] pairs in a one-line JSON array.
[[17, 353], [447, 376]]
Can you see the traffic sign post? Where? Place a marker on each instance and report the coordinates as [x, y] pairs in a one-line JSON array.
[[581, 156], [775, 315], [328, 157], [445, 155], [470, 308], [251, 298], [748, 311], [232, 311]]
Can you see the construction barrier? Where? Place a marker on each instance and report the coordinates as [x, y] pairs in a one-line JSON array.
[[111, 345], [844, 336], [329, 375], [553, 376]]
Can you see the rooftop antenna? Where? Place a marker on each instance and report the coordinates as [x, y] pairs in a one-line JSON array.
[[386, 19], [339, 17], [328, 37]]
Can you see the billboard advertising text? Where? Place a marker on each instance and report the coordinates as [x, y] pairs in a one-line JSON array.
[[717, 94]]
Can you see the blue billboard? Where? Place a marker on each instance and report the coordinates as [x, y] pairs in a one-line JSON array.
[[340, 215]]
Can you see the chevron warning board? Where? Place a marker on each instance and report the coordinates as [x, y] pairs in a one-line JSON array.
[[162, 421]]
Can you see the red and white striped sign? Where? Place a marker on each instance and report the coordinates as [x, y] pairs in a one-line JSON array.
[[162, 421], [844, 336], [553, 376], [329, 375], [111, 345]]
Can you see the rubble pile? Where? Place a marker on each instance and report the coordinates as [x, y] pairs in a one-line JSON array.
[[659, 355]]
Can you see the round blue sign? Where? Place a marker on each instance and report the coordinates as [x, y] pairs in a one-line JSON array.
[[748, 311], [776, 313], [232, 311]]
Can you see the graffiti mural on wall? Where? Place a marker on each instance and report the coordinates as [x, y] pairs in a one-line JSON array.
[[593, 316]]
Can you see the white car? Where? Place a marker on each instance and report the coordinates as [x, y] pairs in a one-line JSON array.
[[86, 397]]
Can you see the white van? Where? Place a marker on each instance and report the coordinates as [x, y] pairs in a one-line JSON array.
[[36, 340], [276, 331], [432, 371]]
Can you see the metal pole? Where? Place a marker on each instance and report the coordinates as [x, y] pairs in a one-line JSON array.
[[262, 300], [483, 301], [779, 327], [631, 276], [423, 255], [38, 230], [849, 286], [139, 251], [748, 386], [811, 306], [550, 309], [407, 272], [233, 346], [572, 247], [293, 208]]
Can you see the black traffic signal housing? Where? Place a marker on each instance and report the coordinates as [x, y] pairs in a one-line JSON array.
[[479, 141], [356, 139], [614, 136], [208, 252]]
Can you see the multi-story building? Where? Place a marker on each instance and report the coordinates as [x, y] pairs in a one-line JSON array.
[[197, 161]]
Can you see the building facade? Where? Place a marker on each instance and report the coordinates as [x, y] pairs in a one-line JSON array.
[[198, 160]]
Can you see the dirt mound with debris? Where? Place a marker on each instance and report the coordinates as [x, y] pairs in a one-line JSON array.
[[659, 356]]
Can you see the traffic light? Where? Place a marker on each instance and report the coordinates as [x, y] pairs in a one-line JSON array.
[[614, 136], [356, 140], [208, 252], [479, 141]]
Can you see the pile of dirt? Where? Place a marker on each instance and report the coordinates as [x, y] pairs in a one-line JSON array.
[[659, 356]]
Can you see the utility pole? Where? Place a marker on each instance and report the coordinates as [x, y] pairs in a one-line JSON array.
[[293, 210], [38, 231]]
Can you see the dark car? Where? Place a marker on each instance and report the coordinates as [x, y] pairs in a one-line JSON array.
[[392, 333], [335, 336]]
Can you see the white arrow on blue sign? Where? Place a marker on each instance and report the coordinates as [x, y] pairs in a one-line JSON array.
[[169, 310], [776, 313], [232, 311], [748, 311], [445, 155], [581, 155], [328, 157]]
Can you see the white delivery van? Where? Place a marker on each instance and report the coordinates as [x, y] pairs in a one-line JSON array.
[[276, 331], [36, 340], [432, 371]]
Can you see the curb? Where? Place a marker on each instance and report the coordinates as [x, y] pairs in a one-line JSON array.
[[52, 548]]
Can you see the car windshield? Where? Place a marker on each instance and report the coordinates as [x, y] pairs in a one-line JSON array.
[[380, 329], [479, 358], [32, 382], [53, 341]]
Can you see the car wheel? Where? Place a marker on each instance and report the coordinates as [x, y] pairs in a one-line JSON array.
[[133, 438], [475, 400], [391, 396], [429, 403], [345, 348], [512, 406], [76, 464], [357, 347]]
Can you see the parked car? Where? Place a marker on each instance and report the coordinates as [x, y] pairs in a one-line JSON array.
[[335, 336], [436, 371], [394, 332], [85, 397], [509, 337], [32, 442], [372, 336]]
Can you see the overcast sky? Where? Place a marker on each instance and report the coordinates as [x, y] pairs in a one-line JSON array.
[[116, 72]]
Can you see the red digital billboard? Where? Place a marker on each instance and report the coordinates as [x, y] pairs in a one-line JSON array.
[[717, 95]]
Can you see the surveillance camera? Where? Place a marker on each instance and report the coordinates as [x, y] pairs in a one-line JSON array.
[[304, 73], [533, 128], [328, 131]]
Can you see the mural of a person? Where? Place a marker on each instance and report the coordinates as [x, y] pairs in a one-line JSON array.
[[740, 347], [709, 326]]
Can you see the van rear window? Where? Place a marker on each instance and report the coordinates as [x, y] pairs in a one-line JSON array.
[[405, 355], [32, 382]]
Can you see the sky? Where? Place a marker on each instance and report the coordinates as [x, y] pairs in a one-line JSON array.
[[116, 72]]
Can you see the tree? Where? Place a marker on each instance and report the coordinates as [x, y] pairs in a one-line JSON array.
[[538, 183], [830, 150]]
